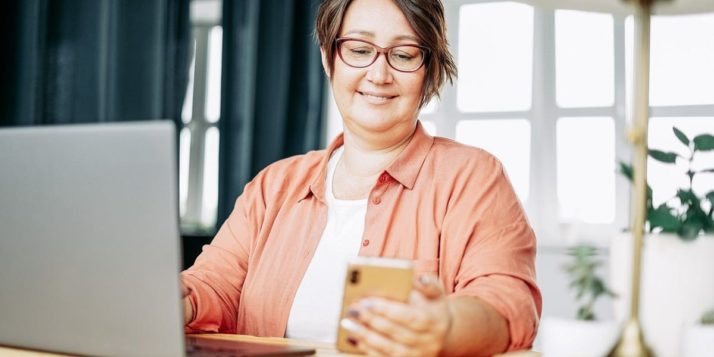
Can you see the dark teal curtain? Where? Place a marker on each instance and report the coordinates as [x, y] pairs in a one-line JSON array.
[[81, 61], [272, 89]]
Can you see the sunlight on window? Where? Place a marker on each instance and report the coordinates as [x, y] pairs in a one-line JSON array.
[[507, 139], [210, 179], [584, 59], [429, 126], [187, 110], [495, 57], [184, 150], [431, 107], [665, 179], [682, 54], [586, 169], [334, 118], [213, 85]]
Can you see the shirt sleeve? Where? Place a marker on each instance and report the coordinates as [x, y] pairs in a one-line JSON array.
[[215, 280], [505, 279], [497, 251]]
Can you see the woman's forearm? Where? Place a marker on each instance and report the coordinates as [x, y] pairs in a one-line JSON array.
[[477, 329]]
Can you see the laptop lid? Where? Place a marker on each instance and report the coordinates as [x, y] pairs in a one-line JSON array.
[[89, 241]]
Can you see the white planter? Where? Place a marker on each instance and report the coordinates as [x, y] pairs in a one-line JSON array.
[[698, 341], [677, 286], [575, 338]]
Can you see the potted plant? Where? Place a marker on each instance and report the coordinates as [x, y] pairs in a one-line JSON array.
[[583, 336], [699, 338], [677, 283]]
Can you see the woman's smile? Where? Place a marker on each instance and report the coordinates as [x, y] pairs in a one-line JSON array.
[[376, 98]]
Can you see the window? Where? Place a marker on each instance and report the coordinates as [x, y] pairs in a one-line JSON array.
[[546, 90], [584, 59], [199, 136], [495, 57]]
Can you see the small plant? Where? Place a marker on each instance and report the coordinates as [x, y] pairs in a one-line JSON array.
[[588, 286], [694, 214], [707, 318]]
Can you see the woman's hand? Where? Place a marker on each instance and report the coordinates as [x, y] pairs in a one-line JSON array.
[[382, 327]]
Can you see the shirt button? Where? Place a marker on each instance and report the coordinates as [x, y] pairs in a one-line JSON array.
[[383, 178], [365, 242], [376, 200]]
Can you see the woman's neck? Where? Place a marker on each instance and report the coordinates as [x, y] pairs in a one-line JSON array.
[[367, 157]]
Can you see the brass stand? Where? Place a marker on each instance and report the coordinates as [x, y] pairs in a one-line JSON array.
[[631, 343]]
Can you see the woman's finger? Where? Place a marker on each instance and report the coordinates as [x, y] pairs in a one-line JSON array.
[[398, 313], [372, 342], [429, 286], [392, 329]]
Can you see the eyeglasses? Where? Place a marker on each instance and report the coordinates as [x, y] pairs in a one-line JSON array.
[[359, 54]]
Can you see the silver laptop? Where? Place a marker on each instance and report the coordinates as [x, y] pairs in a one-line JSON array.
[[89, 241]]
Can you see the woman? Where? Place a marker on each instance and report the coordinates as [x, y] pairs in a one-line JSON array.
[[382, 188]]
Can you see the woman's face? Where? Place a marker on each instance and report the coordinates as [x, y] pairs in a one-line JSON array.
[[376, 98]]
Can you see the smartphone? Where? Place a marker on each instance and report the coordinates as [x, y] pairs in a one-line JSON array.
[[373, 277]]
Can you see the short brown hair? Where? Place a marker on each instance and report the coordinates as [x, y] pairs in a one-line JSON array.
[[426, 17]]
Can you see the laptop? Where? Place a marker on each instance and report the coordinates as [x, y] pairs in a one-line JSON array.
[[90, 246]]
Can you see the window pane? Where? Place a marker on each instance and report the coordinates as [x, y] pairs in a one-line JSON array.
[[509, 140], [665, 179], [682, 53], [430, 107], [213, 85], [334, 118], [586, 169], [184, 151], [584, 59], [209, 203], [187, 111], [495, 57], [429, 126]]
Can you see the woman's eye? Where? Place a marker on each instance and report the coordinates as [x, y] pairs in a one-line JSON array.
[[361, 51], [402, 56]]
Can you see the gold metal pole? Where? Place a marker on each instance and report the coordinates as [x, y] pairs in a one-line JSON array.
[[631, 342]]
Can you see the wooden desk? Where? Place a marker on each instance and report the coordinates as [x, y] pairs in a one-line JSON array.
[[322, 349]]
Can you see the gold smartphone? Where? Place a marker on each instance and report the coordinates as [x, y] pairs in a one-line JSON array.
[[373, 277]]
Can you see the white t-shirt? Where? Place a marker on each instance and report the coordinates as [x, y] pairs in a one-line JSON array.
[[316, 308]]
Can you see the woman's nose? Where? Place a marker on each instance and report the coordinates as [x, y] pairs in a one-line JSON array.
[[379, 72]]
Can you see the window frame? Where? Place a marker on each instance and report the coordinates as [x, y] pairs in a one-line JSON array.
[[205, 16]]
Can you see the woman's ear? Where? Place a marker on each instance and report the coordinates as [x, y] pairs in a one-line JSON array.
[[325, 63]]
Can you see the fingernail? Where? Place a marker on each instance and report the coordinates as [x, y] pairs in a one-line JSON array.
[[353, 313], [424, 280], [352, 341], [349, 325], [367, 303]]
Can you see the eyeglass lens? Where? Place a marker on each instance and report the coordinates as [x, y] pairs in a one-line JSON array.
[[362, 54]]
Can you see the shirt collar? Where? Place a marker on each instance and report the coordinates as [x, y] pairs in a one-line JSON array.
[[404, 169]]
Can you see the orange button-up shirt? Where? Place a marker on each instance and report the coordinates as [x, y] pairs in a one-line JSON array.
[[448, 207]]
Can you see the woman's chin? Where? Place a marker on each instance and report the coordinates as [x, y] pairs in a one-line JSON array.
[[378, 124]]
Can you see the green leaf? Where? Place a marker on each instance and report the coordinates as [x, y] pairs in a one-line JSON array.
[[710, 197], [626, 170], [690, 230], [707, 318], [680, 135], [666, 157], [688, 197], [586, 314], [704, 142], [663, 217]]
